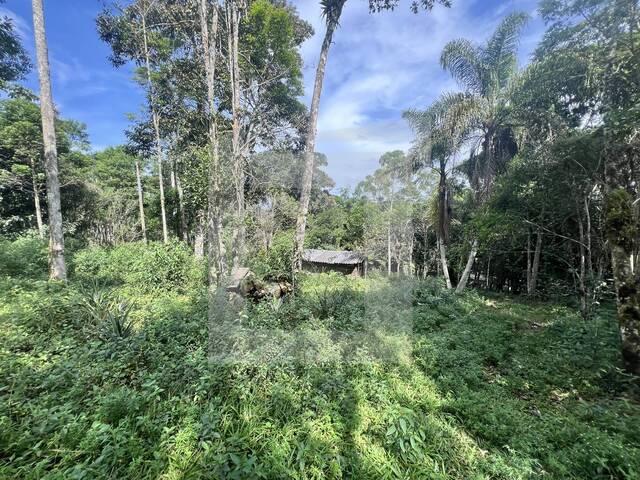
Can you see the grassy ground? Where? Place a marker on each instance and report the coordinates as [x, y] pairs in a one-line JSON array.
[[469, 387]]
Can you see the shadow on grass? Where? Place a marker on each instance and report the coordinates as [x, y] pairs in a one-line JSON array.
[[441, 387]]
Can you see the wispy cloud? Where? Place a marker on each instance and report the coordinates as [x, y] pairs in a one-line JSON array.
[[382, 64], [21, 26]]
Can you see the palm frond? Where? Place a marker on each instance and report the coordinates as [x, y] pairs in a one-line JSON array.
[[500, 53], [442, 129], [464, 61], [331, 10]]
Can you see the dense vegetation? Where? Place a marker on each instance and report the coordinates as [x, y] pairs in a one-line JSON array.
[[496, 333], [482, 386]]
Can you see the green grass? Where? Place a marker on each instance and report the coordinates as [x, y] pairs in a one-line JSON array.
[[480, 388]]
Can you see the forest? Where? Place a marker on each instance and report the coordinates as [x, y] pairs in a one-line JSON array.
[[202, 301]]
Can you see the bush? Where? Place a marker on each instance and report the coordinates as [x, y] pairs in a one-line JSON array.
[[25, 256], [143, 268], [275, 262]]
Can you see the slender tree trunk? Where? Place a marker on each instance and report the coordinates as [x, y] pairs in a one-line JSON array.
[[143, 223], [528, 261], [214, 222], [310, 144], [156, 128], [233, 26], [582, 284], [172, 173], [536, 262], [621, 229], [487, 282], [58, 269], [467, 269], [443, 261], [184, 231], [36, 199], [198, 241], [587, 215]]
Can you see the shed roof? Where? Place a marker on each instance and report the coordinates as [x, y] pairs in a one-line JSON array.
[[333, 257]]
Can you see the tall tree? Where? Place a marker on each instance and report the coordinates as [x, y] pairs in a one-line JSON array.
[[486, 73], [440, 130], [593, 50], [209, 31], [58, 269], [136, 33], [233, 11], [331, 11]]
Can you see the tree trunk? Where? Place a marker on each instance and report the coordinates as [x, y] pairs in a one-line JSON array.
[[233, 26], [582, 281], [214, 233], [443, 261], [389, 248], [621, 229], [36, 199], [467, 269], [183, 216], [198, 242], [156, 128], [143, 223], [487, 282], [528, 261], [310, 144], [536, 262], [58, 269]]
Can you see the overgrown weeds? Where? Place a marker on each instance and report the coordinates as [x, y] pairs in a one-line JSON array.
[[493, 388]]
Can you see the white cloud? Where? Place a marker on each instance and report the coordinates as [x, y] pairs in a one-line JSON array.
[[21, 26], [380, 65]]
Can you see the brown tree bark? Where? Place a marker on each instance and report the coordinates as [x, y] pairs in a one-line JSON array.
[[310, 144], [58, 269], [621, 228]]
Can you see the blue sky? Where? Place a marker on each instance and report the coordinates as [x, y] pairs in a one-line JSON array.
[[379, 66]]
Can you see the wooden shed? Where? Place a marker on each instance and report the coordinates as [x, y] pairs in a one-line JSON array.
[[347, 263]]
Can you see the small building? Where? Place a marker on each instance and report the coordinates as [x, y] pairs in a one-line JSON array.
[[347, 263]]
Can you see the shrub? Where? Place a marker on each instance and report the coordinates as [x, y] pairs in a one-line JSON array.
[[26, 256], [276, 261], [144, 268]]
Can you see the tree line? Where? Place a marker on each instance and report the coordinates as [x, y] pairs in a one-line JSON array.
[[525, 179]]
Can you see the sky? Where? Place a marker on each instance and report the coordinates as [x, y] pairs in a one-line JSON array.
[[379, 66]]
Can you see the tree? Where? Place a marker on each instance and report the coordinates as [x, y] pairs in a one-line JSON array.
[[331, 10], [593, 50], [58, 269], [14, 61], [485, 73], [131, 37], [440, 130], [209, 32]]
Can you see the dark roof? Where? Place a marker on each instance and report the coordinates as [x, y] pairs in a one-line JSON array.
[[333, 257]]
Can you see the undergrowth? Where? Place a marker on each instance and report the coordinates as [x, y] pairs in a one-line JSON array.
[[494, 387]]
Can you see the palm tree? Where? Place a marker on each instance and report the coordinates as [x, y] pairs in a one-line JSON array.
[[486, 74], [440, 130], [331, 11], [58, 269]]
